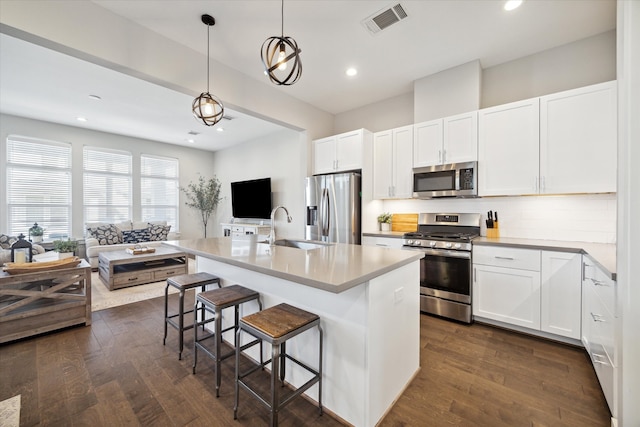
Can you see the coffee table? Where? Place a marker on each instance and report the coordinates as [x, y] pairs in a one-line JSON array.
[[120, 269]]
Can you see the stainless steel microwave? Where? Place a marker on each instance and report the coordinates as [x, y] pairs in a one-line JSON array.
[[451, 180]]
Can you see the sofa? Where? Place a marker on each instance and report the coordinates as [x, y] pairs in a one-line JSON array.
[[7, 241], [103, 236]]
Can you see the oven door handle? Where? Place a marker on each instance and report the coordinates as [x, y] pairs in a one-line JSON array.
[[441, 252]]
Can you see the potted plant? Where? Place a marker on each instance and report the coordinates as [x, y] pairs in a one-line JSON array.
[[203, 196], [385, 221], [36, 232], [65, 248]]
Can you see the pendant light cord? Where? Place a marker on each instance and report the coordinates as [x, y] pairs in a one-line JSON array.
[[282, 18], [208, 40]]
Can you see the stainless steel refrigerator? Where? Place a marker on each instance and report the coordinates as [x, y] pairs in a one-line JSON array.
[[333, 208]]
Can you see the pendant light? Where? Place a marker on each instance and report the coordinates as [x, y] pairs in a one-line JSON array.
[[208, 108], [281, 57]]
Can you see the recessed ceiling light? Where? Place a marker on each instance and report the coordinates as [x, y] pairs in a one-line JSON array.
[[191, 140], [95, 97], [81, 119], [220, 129], [512, 4], [351, 72]]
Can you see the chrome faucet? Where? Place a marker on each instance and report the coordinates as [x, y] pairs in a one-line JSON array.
[[272, 233]]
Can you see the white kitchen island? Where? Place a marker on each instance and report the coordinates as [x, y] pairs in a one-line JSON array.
[[368, 302]]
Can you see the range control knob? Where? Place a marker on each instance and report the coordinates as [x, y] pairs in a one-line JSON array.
[[418, 242], [447, 245], [432, 244], [457, 246]]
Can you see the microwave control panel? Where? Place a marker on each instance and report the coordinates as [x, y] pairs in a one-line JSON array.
[[466, 179]]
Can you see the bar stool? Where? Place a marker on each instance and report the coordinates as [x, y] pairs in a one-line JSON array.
[[214, 301], [183, 283], [276, 325]]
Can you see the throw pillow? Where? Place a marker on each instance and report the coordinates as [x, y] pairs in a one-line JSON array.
[[158, 232], [135, 236], [106, 234], [6, 241]]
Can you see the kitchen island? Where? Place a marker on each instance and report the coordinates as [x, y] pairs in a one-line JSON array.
[[368, 302]]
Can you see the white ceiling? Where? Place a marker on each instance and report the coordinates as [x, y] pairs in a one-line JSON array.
[[437, 35]]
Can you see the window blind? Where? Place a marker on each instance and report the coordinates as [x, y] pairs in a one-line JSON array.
[[38, 186], [159, 189], [107, 185]]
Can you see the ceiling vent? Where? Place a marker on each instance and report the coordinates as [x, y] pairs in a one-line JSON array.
[[227, 117], [384, 18]]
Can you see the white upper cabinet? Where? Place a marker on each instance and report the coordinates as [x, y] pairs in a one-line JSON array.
[[392, 160], [453, 139], [338, 153], [557, 144], [578, 140], [508, 145]]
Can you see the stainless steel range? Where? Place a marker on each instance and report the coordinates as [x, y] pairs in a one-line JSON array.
[[445, 270]]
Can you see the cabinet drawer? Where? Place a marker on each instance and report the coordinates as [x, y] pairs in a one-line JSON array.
[[605, 372], [601, 326], [169, 272], [237, 229], [131, 277], [387, 242], [523, 259], [602, 285]]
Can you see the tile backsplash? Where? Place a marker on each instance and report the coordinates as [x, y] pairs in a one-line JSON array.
[[583, 218]]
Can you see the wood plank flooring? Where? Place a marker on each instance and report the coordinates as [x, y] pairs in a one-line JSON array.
[[116, 372]]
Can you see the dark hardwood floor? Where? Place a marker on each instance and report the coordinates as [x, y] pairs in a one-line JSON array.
[[117, 373]]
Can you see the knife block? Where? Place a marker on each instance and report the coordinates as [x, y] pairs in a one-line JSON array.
[[493, 233]]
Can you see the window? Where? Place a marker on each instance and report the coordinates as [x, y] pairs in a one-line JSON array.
[[159, 189], [38, 186], [107, 185]]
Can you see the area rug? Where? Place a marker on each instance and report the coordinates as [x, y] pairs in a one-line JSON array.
[[10, 412], [102, 297]]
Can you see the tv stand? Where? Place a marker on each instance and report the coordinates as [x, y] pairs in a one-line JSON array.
[[240, 229]]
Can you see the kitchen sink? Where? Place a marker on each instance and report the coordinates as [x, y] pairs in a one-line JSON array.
[[301, 244]]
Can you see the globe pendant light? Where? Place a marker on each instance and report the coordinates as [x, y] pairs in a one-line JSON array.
[[281, 57], [208, 108]]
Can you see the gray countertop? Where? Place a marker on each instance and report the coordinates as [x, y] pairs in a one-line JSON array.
[[601, 253], [333, 268]]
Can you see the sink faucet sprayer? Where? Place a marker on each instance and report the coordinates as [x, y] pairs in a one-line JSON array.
[[272, 233]]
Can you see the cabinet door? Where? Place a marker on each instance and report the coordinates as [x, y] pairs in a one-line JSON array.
[[349, 151], [324, 155], [507, 295], [508, 148], [382, 164], [402, 162], [385, 242], [427, 143], [578, 140], [460, 142], [561, 293]]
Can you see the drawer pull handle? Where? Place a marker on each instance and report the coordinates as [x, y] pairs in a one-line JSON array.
[[505, 257], [598, 318], [598, 282], [131, 279], [599, 358]]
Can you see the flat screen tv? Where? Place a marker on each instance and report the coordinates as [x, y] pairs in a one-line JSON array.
[[251, 199]]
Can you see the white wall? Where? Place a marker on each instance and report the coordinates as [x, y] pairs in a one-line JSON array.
[[628, 384], [581, 63], [280, 156], [191, 162], [398, 111], [449, 92]]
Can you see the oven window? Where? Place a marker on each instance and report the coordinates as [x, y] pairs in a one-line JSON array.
[[446, 274], [434, 181]]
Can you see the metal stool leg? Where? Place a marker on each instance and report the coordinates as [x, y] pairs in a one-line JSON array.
[[237, 377], [218, 338], [166, 312], [275, 367], [181, 323], [320, 372], [195, 335]]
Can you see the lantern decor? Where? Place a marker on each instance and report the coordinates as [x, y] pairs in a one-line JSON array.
[[208, 108], [21, 250]]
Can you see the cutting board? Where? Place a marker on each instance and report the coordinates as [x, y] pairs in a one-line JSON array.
[[404, 222]]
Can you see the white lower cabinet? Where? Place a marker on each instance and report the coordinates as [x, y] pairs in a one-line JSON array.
[[506, 285], [561, 293], [535, 289], [386, 242], [598, 327]]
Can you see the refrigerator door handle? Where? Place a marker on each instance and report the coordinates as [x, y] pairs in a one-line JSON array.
[[325, 213]]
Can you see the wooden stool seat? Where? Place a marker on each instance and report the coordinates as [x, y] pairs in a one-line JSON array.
[[182, 283], [214, 301], [276, 325]]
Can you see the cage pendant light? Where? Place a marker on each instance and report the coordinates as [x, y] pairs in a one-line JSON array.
[[281, 57], [208, 108]]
